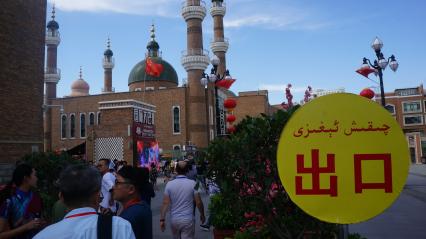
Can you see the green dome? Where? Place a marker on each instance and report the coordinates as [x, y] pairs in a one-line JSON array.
[[138, 72]]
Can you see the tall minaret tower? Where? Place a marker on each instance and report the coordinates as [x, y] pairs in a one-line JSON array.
[[52, 75], [108, 64], [195, 60], [220, 44]]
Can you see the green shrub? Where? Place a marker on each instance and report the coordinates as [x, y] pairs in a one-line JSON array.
[[48, 167], [244, 166]]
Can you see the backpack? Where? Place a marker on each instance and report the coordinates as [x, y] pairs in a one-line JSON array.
[[104, 226]]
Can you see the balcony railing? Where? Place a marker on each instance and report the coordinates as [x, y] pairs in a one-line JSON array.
[[218, 4], [50, 33], [189, 3], [220, 39], [195, 52], [52, 71]]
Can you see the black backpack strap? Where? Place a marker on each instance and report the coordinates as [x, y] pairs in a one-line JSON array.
[[104, 226]]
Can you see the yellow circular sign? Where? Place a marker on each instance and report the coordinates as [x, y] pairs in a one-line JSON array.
[[343, 158]]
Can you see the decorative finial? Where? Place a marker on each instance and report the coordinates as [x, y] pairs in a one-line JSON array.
[[81, 73], [152, 32], [53, 12], [108, 43]]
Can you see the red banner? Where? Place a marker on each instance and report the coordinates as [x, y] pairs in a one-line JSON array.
[[143, 131]]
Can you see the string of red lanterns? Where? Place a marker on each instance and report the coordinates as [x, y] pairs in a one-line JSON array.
[[230, 105]]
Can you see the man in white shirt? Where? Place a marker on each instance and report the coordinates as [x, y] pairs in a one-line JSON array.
[[107, 204], [79, 188], [180, 195]]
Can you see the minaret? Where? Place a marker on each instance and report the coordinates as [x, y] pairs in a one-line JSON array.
[[108, 64], [219, 45], [195, 60], [52, 75]]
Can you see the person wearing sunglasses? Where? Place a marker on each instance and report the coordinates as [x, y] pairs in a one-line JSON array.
[[129, 185]]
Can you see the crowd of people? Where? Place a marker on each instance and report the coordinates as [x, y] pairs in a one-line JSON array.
[[111, 200]]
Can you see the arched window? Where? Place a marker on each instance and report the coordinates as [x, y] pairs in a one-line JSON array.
[[176, 120], [99, 117], [64, 126], [82, 125], [72, 126], [176, 147], [91, 118]]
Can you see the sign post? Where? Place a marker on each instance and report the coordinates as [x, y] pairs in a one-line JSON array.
[[343, 158]]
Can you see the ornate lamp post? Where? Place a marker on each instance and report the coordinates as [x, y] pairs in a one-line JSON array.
[[380, 64], [214, 77]]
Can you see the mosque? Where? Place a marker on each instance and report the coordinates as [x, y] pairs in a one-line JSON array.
[[156, 115]]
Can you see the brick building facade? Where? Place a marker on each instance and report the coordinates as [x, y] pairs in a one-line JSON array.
[[408, 107], [22, 35], [184, 115]]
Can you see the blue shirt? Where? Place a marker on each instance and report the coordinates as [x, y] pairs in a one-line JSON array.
[[140, 217], [21, 208]]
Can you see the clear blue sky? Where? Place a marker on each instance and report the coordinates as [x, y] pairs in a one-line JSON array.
[[272, 42]]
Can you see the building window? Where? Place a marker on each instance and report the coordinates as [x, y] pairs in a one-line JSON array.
[[176, 147], [64, 126], [390, 108], [82, 125], [176, 119], [211, 134], [72, 126], [412, 106], [413, 120], [406, 92], [91, 118], [99, 117]]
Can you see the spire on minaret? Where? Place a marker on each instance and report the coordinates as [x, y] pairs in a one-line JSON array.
[[153, 45], [52, 24], [81, 73], [108, 52], [152, 32], [53, 12]]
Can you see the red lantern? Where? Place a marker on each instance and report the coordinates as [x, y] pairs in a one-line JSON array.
[[230, 103], [367, 93], [231, 129], [230, 118]]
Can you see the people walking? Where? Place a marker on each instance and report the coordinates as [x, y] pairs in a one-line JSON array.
[[127, 190], [147, 191], [153, 174], [107, 205], [212, 189], [79, 188], [180, 195], [20, 210]]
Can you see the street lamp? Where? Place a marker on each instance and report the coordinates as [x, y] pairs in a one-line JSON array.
[[213, 78], [380, 64]]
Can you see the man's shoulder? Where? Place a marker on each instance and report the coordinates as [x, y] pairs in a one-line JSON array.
[[50, 231], [108, 175], [136, 211], [179, 182]]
